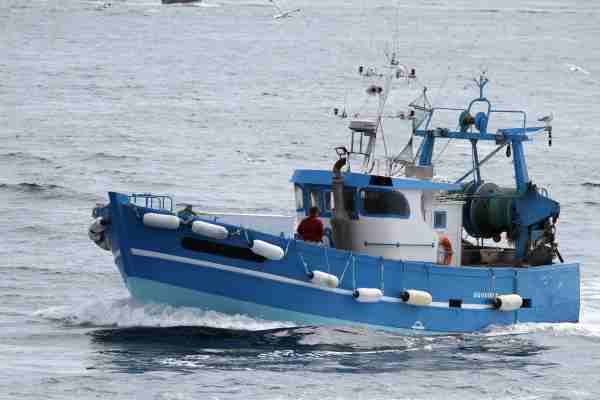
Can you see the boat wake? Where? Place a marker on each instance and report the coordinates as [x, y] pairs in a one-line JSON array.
[[316, 349], [582, 329], [126, 313], [150, 319], [132, 336]]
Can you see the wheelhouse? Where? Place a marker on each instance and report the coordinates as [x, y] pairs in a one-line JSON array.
[[395, 218]]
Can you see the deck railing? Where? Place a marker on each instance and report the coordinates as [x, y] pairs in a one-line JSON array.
[[150, 200]]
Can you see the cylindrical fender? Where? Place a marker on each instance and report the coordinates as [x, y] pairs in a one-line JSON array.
[[323, 279], [98, 225], [267, 250], [416, 297], [508, 302], [367, 295], [162, 221], [98, 234], [210, 230]]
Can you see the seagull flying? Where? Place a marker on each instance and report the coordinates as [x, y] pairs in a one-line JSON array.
[[577, 68], [547, 119]]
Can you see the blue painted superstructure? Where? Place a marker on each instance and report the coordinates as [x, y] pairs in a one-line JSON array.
[[359, 181], [186, 259]]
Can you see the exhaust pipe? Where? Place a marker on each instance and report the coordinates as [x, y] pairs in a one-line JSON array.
[[340, 220]]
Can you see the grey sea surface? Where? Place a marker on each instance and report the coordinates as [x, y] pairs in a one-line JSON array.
[[217, 103]]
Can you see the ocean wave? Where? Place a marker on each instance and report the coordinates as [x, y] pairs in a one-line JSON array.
[[28, 187], [128, 313], [536, 11], [318, 349], [365, 340], [240, 349], [127, 322], [22, 156], [47, 191], [582, 329], [591, 184], [109, 157]]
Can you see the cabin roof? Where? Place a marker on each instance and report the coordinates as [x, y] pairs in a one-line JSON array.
[[323, 177]]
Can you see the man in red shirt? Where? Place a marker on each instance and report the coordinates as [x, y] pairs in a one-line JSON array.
[[311, 228]]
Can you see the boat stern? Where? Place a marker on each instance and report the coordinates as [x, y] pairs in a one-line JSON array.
[[550, 293]]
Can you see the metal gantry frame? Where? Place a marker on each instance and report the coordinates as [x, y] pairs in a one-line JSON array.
[[503, 137]]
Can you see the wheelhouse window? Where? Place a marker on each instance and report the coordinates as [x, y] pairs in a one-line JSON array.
[[327, 201], [385, 203], [439, 220], [313, 197], [299, 194]]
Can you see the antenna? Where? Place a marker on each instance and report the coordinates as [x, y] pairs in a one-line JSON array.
[[483, 80]]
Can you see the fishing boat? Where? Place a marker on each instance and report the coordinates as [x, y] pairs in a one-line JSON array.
[[403, 249]]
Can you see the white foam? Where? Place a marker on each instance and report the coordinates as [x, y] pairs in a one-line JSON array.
[[128, 313], [557, 329], [360, 339], [188, 361]]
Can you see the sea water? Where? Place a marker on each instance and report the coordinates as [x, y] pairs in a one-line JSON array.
[[217, 103]]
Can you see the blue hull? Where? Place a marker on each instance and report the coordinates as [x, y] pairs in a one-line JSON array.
[[157, 268]]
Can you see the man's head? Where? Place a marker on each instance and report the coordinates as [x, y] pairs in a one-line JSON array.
[[313, 211]]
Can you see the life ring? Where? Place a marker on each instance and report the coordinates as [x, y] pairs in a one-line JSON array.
[[444, 251]]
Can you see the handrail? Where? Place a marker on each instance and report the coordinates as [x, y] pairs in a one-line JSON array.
[[150, 200]]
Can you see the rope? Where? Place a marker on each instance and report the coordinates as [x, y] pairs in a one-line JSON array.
[[385, 151], [381, 274], [346, 267], [304, 264], [353, 273], [287, 247], [327, 260], [442, 151]]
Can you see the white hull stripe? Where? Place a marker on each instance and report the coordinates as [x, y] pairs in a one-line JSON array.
[[283, 279]]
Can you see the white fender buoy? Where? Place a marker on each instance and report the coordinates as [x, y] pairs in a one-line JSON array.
[[94, 237], [104, 243], [162, 221], [267, 250], [97, 226], [508, 302], [416, 297], [209, 230], [323, 279], [97, 234], [367, 295]]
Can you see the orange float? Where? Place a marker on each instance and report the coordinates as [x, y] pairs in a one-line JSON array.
[[444, 250]]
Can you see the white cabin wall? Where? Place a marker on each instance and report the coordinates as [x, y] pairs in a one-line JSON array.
[[406, 231], [417, 229], [388, 230]]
